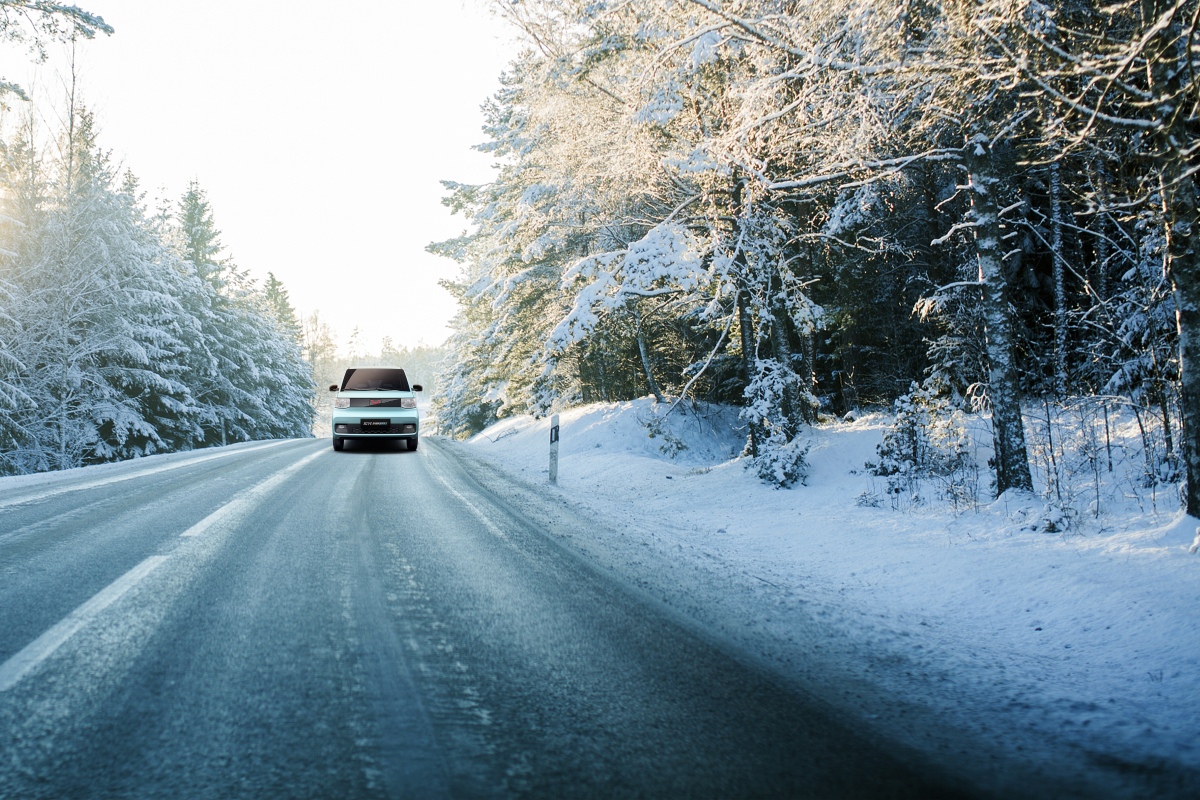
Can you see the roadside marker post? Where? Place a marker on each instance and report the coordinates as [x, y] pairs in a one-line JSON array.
[[554, 449]]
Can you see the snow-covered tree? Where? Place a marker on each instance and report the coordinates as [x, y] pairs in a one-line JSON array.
[[112, 344], [786, 206], [93, 323]]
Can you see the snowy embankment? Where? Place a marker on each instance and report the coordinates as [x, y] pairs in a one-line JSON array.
[[971, 634]]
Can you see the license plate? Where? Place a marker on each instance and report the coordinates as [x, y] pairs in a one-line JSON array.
[[375, 423]]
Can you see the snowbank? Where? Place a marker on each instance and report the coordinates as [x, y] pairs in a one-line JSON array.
[[969, 634]]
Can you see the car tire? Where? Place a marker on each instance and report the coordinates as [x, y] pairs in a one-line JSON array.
[[338, 444], [412, 443]]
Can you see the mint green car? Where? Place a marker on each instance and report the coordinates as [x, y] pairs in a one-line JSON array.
[[375, 403]]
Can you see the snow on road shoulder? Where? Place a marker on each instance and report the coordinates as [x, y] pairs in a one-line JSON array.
[[54, 481], [1085, 641]]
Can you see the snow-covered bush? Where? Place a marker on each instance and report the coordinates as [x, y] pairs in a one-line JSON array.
[[780, 462], [1054, 519], [767, 391], [781, 455], [656, 428], [927, 442]]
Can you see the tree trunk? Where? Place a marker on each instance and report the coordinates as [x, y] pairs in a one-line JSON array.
[[849, 363], [1164, 410], [808, 357], [1060, 294], [783, 354], [747, 338], [1102, 231], [1184, 245], [641, 343], [1004, 390], [745, 322], [809, 375]]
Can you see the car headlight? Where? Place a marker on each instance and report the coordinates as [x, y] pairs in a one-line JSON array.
[[408, 402], [341, 402]]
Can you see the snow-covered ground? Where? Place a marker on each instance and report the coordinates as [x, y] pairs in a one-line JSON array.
[[971, 633]]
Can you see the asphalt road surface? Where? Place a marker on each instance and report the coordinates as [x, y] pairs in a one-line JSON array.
[[282, 621]]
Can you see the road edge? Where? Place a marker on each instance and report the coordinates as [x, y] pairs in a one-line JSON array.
[[1002, 761]]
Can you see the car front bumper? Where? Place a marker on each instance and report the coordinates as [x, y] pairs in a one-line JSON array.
[[361, 423]]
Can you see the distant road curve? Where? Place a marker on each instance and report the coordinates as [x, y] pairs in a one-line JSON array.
[[277, 620]]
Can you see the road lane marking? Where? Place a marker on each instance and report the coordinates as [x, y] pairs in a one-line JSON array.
[[79, 487], [37, 651], [43, 647], [474, 509], [245, 501]]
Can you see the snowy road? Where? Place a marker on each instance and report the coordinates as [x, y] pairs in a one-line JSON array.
[[286, 621]]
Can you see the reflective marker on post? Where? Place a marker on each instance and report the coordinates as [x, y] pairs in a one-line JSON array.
[[554, 449]]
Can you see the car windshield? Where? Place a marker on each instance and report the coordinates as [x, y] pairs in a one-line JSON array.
[[375, 380]]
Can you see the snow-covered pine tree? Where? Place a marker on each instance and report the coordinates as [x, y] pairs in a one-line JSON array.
[[285, 382], [92, 321], [216, 355], [248, 372], [281, 306]]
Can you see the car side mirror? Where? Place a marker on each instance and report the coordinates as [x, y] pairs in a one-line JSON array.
[[333, 388], [418, 388]]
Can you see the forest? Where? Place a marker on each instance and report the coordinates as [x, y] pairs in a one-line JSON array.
[[124, 330], [806, 209]]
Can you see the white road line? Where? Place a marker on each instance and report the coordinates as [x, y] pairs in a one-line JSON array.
[[474, 509], [38, 494], [41, 648], [247, 500]]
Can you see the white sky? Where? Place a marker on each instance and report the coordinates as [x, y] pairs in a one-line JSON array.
[[320, 132]]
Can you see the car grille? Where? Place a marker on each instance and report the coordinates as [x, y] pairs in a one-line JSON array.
[[392, 430], [369, 402]]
